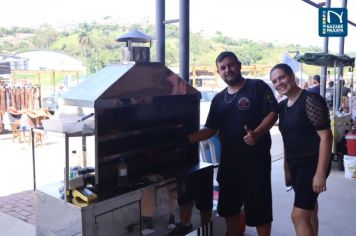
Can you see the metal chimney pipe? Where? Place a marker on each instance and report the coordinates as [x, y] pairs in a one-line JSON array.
[[184, 39], [161, 31]]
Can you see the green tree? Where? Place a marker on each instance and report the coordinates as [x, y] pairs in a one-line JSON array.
[[84, 41], [172, 52], [95, 44], [44, 37]]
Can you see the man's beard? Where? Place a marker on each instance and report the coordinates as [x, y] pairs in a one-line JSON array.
[[234, 81]]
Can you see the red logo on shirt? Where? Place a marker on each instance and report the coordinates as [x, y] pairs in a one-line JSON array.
[[243, 103]]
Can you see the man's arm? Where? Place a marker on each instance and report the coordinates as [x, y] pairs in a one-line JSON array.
[[252, 136], [202, 134]]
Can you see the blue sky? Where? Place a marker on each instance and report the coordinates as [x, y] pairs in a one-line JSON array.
[[280, 21]]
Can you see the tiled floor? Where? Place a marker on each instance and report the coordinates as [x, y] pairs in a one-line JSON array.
[[20, 205]]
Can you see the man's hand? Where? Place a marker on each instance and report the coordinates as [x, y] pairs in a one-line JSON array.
[[250, 138]]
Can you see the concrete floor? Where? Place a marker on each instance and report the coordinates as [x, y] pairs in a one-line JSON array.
[[337, 206]]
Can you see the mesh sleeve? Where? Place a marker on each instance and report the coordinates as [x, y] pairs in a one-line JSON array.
[[317, 111]]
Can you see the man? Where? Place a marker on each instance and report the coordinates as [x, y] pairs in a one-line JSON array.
[[194, 189], [344, 97], [345, 90], [329, 94], [242, 113], [316, 87]]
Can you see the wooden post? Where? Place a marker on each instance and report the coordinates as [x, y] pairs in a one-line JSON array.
[[39, 89], [54, 81], [194, 75]]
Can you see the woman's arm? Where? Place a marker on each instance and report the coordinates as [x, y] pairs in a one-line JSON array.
[[287, 177], [319, 181]]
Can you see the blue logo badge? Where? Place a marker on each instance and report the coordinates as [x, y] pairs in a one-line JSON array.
[[332, 22]]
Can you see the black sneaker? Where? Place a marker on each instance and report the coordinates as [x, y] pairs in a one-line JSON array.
[[147, 226], [181, 230], [171, 222]]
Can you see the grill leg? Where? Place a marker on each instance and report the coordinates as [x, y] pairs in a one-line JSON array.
[[206, 230]]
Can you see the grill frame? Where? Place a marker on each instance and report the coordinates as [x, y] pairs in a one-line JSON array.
[[133, 103]]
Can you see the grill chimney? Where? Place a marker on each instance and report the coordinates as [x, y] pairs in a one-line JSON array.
[[137, 47]]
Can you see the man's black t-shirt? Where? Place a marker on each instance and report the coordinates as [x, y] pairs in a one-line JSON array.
[[230, 113], [345, 91]]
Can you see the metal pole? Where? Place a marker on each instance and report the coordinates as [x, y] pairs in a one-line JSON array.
[[339, 83], [33, 159], [319, 6], [334, 92], [324, 69], [301, 75], [161, 30], [184, 39]]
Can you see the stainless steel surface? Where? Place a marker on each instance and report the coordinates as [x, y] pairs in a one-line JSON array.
[[123, 84], [120, 215], [143, 113], [111, 217], [135, 36]]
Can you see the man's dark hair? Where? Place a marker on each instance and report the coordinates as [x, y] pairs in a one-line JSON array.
[[317, 78], [225, 54]]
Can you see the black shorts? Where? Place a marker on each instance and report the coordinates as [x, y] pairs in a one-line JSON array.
[[302, 173], [249, 186], [196, 187]]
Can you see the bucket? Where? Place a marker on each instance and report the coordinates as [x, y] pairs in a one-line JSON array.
[[351, 144], [350, 166]]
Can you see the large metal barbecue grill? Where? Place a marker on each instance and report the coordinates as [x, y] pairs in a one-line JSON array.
[[142, 113]]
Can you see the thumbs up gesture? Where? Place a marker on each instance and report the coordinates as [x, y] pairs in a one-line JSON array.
[[250, 138]]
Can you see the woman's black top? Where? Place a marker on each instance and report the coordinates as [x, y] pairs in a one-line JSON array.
[[299, 124]]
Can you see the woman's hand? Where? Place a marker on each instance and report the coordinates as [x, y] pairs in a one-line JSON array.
[[287, 177], [319, 183]]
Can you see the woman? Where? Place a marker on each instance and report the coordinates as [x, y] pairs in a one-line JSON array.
[[305, 126]]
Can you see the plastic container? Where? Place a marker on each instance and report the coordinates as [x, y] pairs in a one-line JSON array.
[[351, 144], [123, 181], [350, 166], [73, 170]]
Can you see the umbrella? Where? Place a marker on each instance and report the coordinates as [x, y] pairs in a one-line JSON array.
[[325, 59]]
